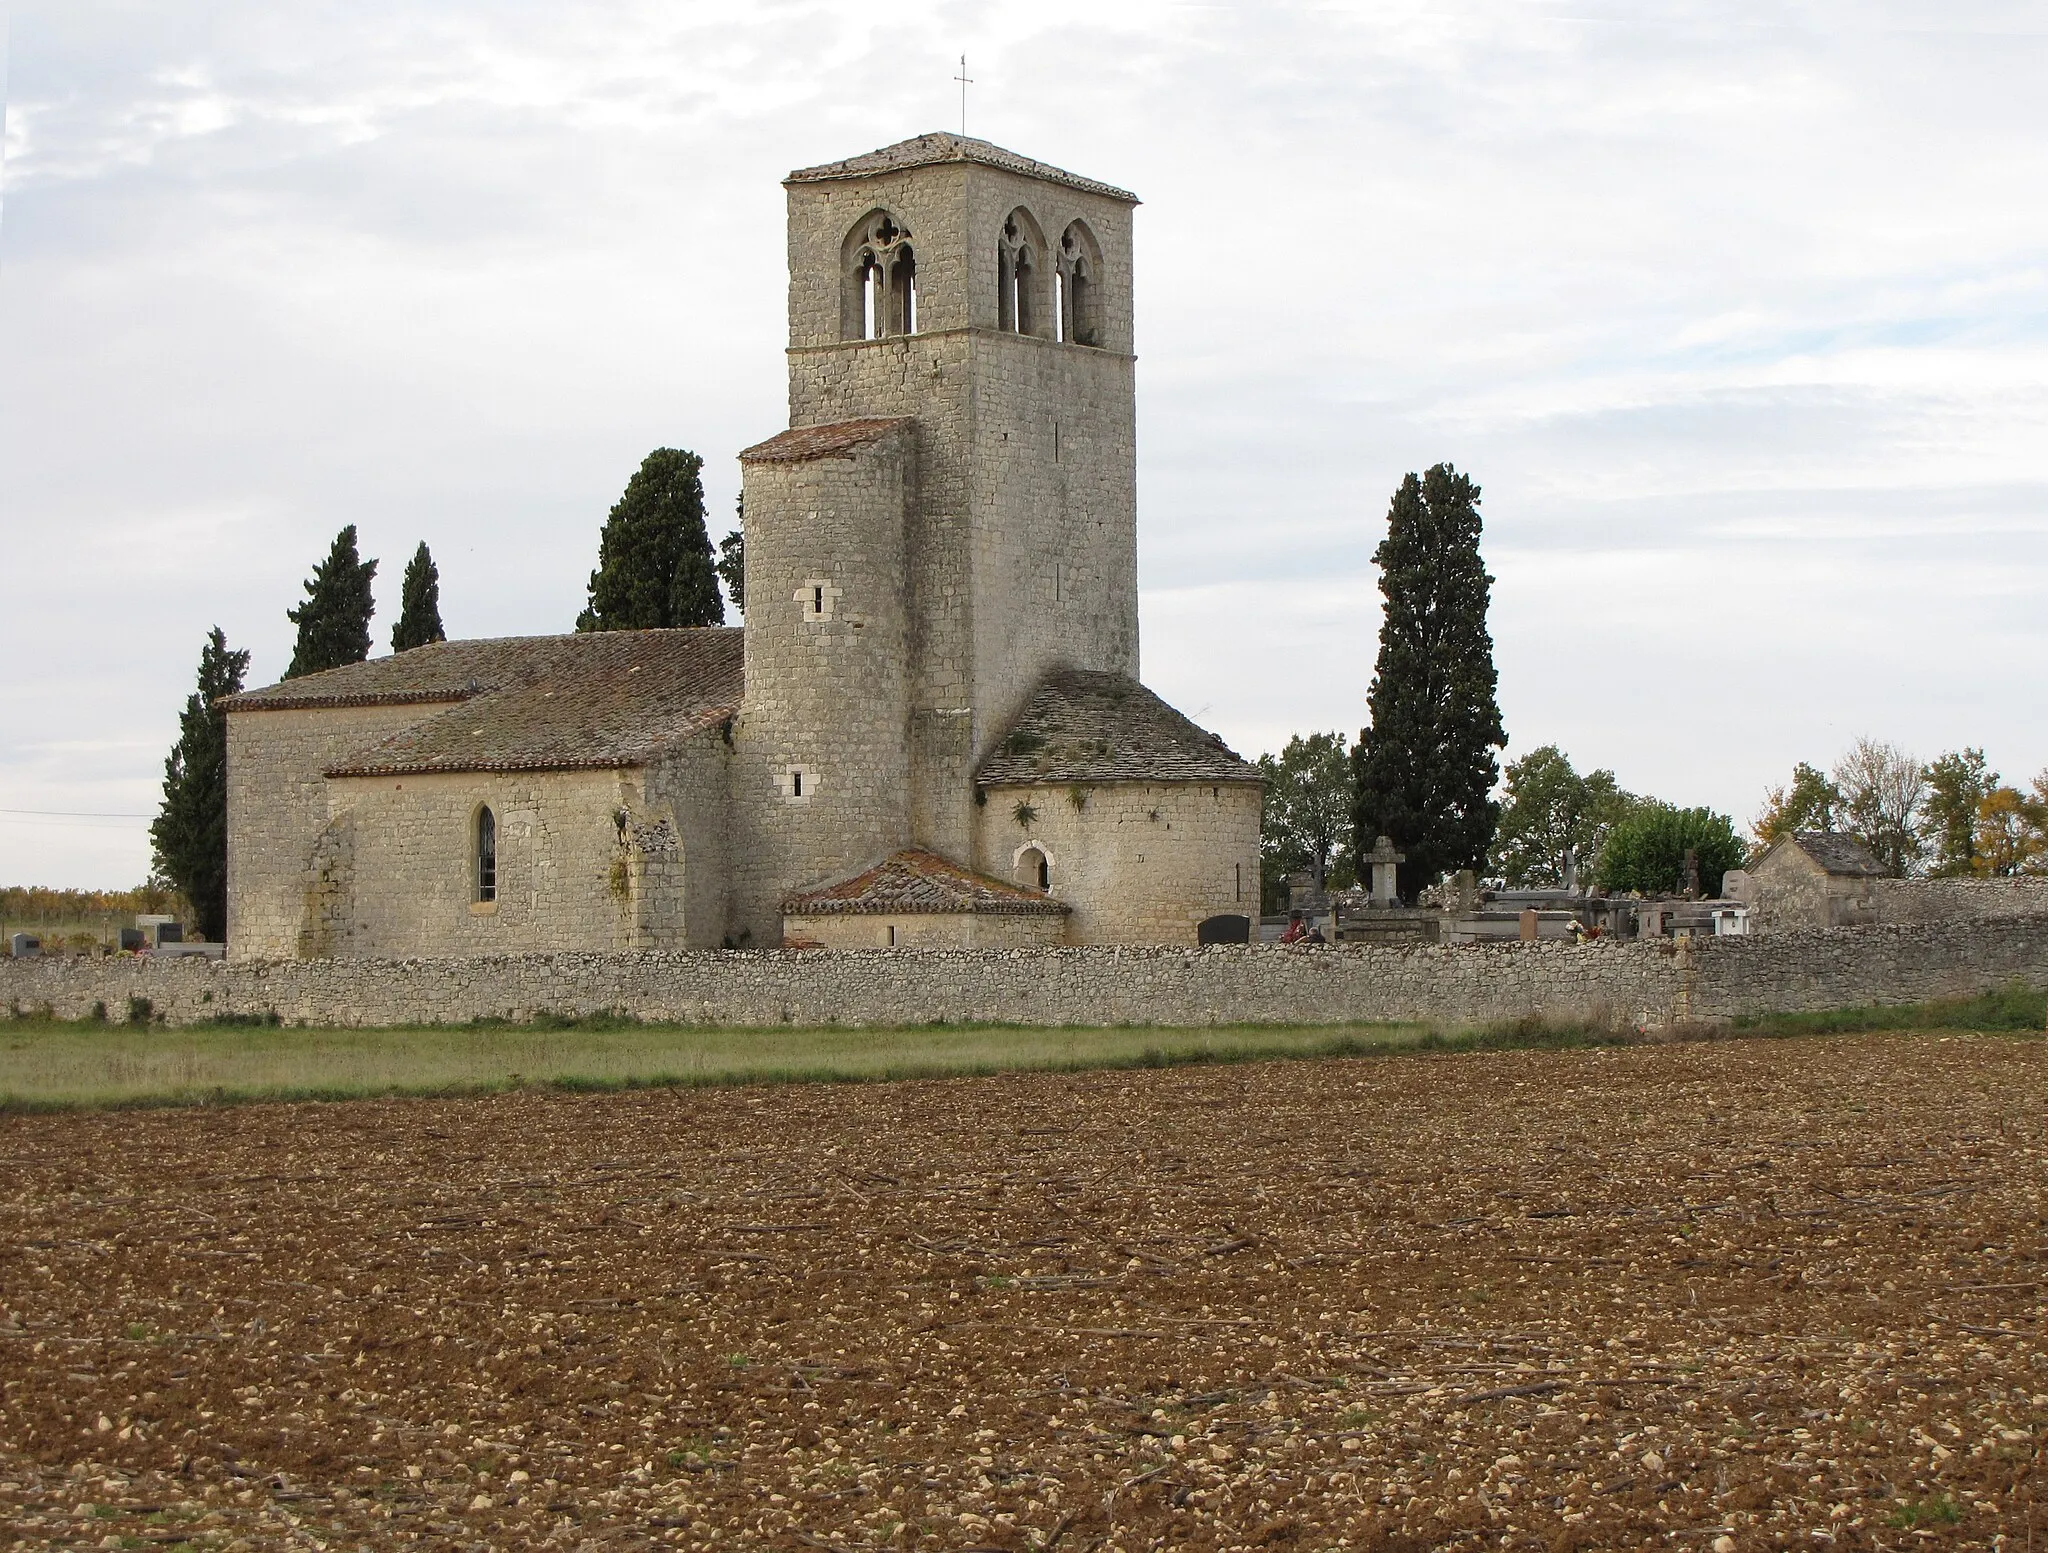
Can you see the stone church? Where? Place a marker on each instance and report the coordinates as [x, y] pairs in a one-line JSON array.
[[930, 729]]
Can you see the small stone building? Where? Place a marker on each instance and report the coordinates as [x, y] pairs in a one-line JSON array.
[[934, 698], [1810, 878]]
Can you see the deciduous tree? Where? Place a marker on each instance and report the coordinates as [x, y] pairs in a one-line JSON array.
[[1307, 816], [419, 613], [334, 619], [1424, 769], [1882, 789], [1957, 784], [2012, 831], [654, 563], [1551, 814], [189, 837], [1646, 849], [1809, 802]]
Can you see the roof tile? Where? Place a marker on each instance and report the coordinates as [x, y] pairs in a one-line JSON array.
[[920, 882], [1082, 726], [938, 146], [800, 444]]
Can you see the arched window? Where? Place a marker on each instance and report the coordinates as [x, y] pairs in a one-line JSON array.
[[879, 296], [486, 855], [1034, 871], [1020, 255], [903, 292], [1080, 269]]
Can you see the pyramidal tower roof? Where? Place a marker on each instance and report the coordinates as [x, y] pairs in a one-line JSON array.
[[930, 149]]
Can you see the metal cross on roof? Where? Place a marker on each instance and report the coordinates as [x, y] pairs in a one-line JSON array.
[[965, 81]]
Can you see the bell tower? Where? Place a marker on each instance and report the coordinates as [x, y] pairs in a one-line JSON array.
[[972, 309]]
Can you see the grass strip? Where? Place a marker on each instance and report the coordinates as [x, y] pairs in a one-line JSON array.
[[56, 1065]]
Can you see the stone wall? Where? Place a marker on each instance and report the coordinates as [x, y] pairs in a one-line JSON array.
[[1652, 981], [821, 766], [1956, 900], [1140, 862], [277, 811], [569, 875], [925, 930]]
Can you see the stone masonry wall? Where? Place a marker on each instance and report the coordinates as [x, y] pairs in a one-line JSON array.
[[1140, 862], [567, 879], [277, 811], [1093, 986], [1956, 900], [821, 767]]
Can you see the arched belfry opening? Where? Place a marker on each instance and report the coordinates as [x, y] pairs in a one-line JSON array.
[[1022, 303], [879, 291], [1078, 288]]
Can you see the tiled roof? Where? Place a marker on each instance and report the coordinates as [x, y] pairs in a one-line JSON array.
[[440, 671], [800, 444], [921, 882], [1840, 854], [540, 703], [1081, 726], [927, 150]]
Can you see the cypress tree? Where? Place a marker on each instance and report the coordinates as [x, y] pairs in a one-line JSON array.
[[1424, 770], [654, 565], [419, 613], [334, 620], [732, 559], [189, 837]]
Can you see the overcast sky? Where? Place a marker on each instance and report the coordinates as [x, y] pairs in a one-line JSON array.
[[1737, 312]]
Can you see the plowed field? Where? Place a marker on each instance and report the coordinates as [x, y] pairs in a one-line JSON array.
[[1739, 1294]]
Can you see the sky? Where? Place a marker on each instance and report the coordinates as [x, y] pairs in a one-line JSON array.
[[1738, 314]]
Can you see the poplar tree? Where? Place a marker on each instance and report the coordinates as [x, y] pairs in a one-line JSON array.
[[1423, 771], [189, 837], [334, 619], [654, 564], [419, 612]]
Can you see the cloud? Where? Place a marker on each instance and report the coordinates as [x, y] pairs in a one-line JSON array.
[[1734, 312]]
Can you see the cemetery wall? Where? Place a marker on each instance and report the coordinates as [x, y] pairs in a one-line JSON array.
[[1654, 982]]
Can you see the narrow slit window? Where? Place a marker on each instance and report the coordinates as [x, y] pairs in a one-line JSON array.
[[818, 600], [870, 299], [1059, 308], [892, 937], [796, 784], [486, 855]]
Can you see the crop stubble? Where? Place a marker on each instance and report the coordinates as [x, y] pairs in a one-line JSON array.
[[1786, 1293]]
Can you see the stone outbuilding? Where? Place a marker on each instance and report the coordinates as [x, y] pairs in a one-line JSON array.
[[1810, 878], [935, 693], [918, 900]]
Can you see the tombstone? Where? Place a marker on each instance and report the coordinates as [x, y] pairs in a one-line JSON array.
[[132, 940], [1227, 928], [1692, 874], [170, 933], [1385, 861], [1571, 870], [1464, 892], [24, 946], [1531, 926]]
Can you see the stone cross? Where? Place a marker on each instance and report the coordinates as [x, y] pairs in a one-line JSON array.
[[1384, 860]]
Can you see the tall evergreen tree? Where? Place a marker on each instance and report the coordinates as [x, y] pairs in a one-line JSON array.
[[334, 619], [654, 565], [732, 559], [1424, 770], [189, 837], [419, 613]]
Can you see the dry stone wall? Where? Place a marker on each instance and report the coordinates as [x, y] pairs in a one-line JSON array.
[[1097, 985]]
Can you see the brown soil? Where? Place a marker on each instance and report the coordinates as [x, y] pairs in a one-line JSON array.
[[1780, 1293]]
